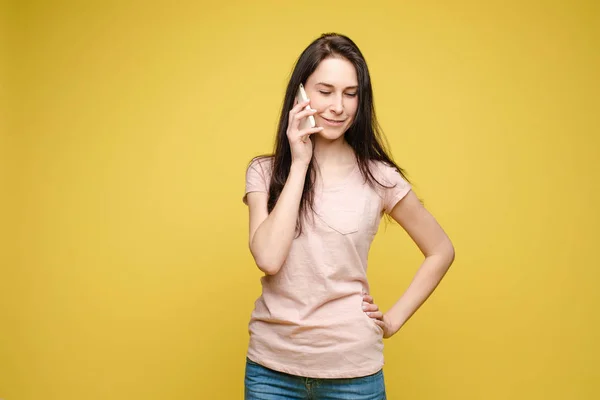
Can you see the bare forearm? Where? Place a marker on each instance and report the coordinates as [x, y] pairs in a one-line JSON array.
[[273, 238], [425, 281]]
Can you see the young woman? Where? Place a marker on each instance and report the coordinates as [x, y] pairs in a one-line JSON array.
[[315, 206]]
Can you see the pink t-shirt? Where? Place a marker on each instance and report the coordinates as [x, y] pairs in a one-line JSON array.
[[309, 319]]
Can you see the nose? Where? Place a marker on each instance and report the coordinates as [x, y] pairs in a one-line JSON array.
[[337, 106]]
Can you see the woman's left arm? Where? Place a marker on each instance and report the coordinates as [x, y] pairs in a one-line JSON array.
[[438, 250]]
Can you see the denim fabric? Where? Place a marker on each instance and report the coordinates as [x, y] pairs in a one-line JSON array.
[[265, 384]]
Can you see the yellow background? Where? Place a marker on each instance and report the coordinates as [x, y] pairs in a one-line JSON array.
[[127, 127]]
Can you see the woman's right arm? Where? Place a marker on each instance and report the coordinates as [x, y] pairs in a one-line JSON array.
[[271, 234]]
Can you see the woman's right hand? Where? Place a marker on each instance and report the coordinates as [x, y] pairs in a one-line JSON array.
[[300, 143]]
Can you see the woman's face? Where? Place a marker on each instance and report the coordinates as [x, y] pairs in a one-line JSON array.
[[333, 92]]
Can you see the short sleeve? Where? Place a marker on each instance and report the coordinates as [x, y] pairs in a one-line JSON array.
[[258, 177], [396, 187]]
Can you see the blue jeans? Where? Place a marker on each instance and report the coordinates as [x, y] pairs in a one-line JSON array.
[[265, 384]]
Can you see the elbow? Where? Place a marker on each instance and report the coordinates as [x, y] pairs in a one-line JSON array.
[[449, 253], [444, 255], [451, 257], [268, 265], [269, 268], [266, 257]]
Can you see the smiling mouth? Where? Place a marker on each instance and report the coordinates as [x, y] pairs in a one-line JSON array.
[[333, 121]]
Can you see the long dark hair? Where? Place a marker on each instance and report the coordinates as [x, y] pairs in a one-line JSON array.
[[364, 135]]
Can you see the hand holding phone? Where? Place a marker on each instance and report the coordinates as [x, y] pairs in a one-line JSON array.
[[308, 122], [300, 127]]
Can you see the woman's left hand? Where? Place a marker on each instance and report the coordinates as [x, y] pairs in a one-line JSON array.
[[372, 311]]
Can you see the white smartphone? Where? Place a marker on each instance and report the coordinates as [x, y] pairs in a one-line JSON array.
[[308, 122]]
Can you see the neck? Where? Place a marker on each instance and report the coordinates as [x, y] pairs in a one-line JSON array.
[[330, 152]]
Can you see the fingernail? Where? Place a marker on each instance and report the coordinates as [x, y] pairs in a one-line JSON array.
[[364, 307]]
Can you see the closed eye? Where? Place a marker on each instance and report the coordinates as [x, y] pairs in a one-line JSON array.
[[328, 93]]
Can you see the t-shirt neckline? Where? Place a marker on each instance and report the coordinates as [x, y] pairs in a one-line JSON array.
[[342, 183]]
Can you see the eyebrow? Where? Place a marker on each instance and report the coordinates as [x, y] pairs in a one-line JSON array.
[[329, 85]]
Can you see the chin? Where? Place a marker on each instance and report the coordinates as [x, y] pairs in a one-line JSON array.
[[332, 134]]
